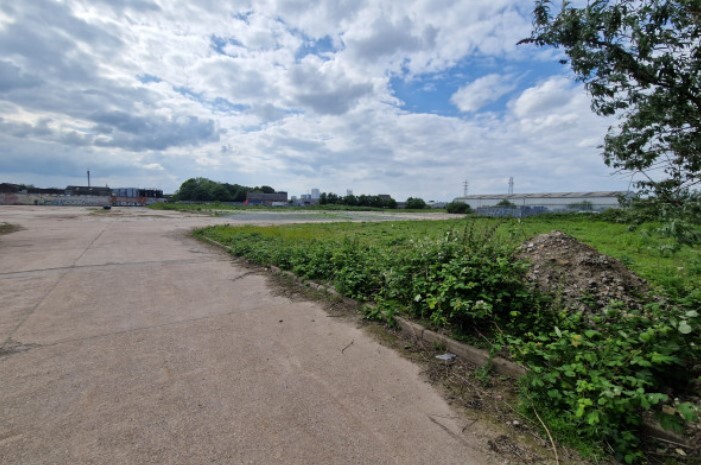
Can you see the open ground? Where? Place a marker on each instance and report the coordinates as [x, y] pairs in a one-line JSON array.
[[127, 341]]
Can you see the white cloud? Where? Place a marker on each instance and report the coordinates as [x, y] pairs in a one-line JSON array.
[[478, 93], [555, 93], [246, 76]]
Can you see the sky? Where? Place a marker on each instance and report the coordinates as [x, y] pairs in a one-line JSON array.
[[407, 98]]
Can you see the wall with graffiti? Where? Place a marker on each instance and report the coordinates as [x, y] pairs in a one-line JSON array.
[[20, 198]]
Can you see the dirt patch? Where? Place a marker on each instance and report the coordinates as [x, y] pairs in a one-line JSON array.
[[581, 277], [7, 228]]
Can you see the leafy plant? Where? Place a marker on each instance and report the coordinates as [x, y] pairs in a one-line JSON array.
[[600, 379], [592, 377], [457, 207]]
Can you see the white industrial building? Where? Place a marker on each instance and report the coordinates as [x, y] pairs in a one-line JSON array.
[[550, 201]]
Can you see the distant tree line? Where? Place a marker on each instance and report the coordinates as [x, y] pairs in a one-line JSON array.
[[206, 190], [415, 203], [378, 201]]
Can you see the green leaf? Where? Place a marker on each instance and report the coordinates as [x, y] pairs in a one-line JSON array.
[[670, 422], [684, 327], [687, 411], [593, 418]]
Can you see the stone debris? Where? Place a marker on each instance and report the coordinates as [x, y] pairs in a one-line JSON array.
[[578, 275], [447, 357]]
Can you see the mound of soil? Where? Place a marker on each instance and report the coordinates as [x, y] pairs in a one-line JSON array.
[[582, 278]]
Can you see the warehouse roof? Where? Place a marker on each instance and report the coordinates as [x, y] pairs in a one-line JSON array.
[[547, 195]]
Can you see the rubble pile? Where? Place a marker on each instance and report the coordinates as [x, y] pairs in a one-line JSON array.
[[579, 276]]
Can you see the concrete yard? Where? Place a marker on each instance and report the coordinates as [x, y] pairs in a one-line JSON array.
[[125, 341]]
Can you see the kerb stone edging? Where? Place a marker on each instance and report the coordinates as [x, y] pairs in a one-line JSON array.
[[472, 354], [414, 330]]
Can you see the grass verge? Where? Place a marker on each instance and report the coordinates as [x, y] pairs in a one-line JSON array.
[[592, 377], [216, 206]]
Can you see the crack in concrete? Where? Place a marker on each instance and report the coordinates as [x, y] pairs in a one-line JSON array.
[[244, 275], [46, 296], [141, 328], [14, 347], [13, 274]]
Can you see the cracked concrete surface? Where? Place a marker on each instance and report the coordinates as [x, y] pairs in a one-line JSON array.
[[127, 342]]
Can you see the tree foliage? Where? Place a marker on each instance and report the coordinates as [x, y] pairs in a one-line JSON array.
[[458, 207], [640, 60], [206, 190], [376, 201], [415, 203], [506, 203]]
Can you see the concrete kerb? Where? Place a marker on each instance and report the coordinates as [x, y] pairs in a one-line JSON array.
[[472, 354], [289, 274], [416, 331]]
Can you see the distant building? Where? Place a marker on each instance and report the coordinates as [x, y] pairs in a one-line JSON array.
[[133, 192], [547, 202], [81, 196], [316, 194], [136, 197], [7, 188], [305, 199], [260, 198], [349, 192], [88, 190]]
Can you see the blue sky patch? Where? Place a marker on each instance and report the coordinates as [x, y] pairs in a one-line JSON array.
[[218, 104], [315, 47], [223, 105], [218, 44], [147, 78], [431, 92]]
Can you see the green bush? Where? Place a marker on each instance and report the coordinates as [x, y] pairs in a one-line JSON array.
[[458, 207], [596, 377], [415, 203]]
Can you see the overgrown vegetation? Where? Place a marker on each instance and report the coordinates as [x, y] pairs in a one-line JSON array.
[[591, 376]]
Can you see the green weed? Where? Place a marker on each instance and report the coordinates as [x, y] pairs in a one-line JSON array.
[[594, 377], [7, 228]]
